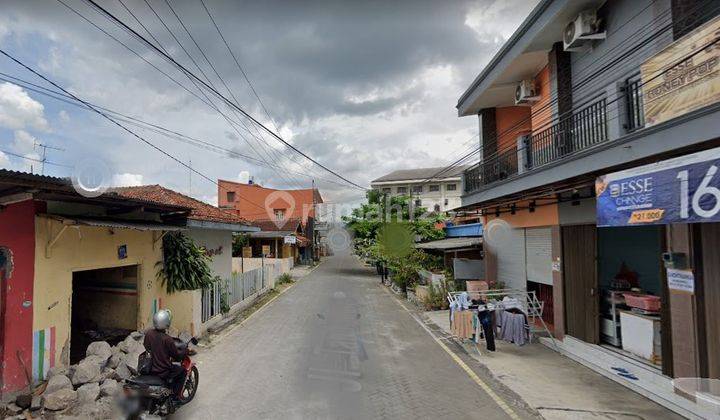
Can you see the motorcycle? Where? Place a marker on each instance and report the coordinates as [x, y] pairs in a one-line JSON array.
[[152, 395]]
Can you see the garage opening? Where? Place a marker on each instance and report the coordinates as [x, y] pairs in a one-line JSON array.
[[104, 307]]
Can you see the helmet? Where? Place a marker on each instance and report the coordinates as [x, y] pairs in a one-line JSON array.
[[162, 319]]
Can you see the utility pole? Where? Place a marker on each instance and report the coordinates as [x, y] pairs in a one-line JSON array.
[[190, 177], [44, 154]]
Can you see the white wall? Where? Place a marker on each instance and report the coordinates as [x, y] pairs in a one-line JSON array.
[[216, 241], [429, 199]]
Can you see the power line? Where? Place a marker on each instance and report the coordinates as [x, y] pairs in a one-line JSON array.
[[603, 66], [244, 73], [43, 161], [214, 91], [166, 132], [115, 122], [227, 119]]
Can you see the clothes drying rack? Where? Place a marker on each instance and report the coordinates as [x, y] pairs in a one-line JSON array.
[[524, 300]]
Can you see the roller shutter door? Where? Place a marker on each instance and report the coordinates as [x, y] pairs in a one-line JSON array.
[[511, 261], [538, 246]]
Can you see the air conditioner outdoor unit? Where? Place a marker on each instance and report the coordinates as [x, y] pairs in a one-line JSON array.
[[579, 32], [525, 92]]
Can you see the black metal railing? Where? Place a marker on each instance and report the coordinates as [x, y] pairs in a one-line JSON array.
[[581, 130], [634, 103]]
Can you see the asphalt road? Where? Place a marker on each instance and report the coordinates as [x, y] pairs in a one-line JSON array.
[[337, 345]]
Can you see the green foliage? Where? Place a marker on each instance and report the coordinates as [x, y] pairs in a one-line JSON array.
[[436, 298], [239, 241], [185, 265], [224, 295], [284, 278]]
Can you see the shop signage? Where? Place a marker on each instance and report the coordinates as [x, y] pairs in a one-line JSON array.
[[681, 280], [680, 190], [122, 252], [290, 240], [212, 252], [684, 76], [247, 252]]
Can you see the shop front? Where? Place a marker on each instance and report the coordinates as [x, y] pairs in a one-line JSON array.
[[640, 284]]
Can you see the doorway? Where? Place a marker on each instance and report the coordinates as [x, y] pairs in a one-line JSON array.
[[579, 248], [104, 307]]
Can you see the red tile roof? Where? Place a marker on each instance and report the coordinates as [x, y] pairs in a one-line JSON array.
[[198, 209]]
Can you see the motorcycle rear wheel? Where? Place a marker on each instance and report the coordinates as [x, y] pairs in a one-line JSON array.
[[191, 386]]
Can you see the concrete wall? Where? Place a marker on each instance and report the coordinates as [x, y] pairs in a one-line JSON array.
[[623, 20], [241, 265], [17, 237], [218, 244], [88, 248]]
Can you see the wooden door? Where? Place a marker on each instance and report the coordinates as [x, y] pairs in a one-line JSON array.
[[710, 237], [582, 318]]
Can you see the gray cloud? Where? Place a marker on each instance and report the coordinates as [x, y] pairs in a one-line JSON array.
[[363, 87]]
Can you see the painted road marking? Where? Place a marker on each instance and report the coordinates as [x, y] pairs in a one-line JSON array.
[[498, 400]]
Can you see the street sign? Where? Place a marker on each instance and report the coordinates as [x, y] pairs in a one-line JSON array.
[[290, 240], [680, 190]]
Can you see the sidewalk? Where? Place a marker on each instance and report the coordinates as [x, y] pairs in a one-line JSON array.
[[554, 385]]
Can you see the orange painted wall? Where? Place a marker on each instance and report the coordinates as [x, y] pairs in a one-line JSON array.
[[250, 201], [546, 215], [511, 122], [541, 110]]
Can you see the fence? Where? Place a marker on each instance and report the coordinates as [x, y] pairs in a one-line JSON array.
[[239, 287], [581, 130]]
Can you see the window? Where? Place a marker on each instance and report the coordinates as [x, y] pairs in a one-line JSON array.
[[446, 202], [231, 196], [437, 207], [434, 188], [279, 214], [386, 190], [451, 187], [417, 188], [402, 190]]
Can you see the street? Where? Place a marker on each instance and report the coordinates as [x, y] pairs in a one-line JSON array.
[[337, 345]]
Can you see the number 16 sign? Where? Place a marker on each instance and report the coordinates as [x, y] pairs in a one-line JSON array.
[[680, 190]]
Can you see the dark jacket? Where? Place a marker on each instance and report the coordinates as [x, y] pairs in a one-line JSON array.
[[163, 350]]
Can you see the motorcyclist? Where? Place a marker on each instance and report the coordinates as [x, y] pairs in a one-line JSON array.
[[163, 350]]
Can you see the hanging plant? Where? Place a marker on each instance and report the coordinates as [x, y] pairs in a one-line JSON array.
[[185, 265]]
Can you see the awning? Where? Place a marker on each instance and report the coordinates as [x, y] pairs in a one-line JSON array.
[[451, 243], [270, 234], [115, 224]]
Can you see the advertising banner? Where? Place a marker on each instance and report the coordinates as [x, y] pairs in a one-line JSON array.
[[684, 76], [681, 190], [290, 239]]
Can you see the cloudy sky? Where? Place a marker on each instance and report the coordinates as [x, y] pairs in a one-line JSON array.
[[362, 87]]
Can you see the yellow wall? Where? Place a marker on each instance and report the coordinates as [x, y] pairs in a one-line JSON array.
[[88, 248]]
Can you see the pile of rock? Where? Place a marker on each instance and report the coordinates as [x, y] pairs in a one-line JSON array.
[[87, 389]]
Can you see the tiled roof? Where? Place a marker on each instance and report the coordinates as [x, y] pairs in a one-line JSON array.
[[290, 224], [198, 209]]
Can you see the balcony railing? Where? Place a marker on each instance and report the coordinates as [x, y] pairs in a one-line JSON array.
[[581, 130], [634, 104]]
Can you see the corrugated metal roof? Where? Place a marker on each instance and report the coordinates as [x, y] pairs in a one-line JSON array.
[[120, 224], [271, 234], [450, 243]]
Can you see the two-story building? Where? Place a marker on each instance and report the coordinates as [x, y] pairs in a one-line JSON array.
[[436, 189], [599, 141]]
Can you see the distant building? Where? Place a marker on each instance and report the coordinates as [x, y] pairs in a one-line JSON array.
[[436, 193], [257, 203]]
